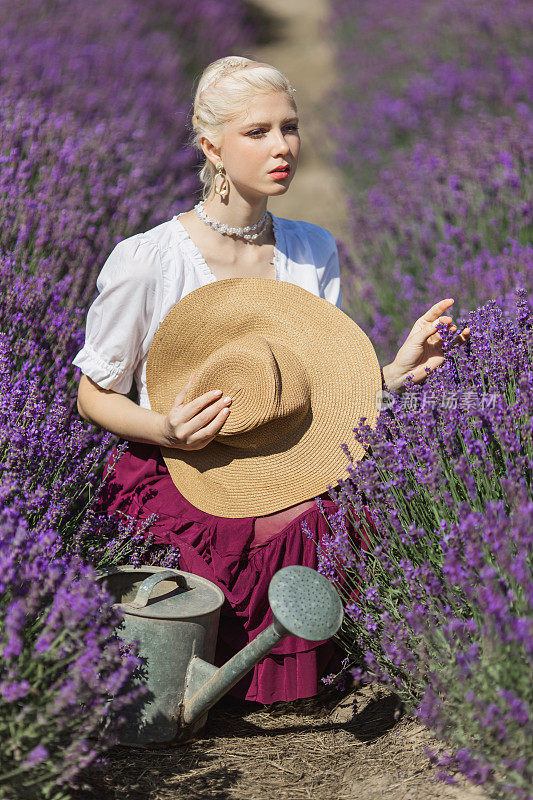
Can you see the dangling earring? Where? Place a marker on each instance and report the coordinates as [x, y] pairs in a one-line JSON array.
[[223, 189]]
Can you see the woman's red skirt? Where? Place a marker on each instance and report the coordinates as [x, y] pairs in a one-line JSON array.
[[238, 555]]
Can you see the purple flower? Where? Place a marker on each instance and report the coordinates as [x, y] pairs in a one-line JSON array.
[[435, 142], [36, 756], [85, 118], [445, 608], [14, 690], [66, 691]]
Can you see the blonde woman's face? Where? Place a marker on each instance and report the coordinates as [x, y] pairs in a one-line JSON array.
[[265, 136]]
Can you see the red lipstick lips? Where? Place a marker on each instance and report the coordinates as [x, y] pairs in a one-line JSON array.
[[282, 168]]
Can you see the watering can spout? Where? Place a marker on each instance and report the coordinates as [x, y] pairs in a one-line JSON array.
[[205, 684], [303, 603]]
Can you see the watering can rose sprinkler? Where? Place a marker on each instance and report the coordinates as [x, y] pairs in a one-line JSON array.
[[174, 616]]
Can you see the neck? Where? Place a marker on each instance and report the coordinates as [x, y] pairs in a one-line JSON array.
[[238, 213]]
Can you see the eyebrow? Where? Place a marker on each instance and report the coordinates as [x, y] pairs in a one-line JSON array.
[[266, 124]]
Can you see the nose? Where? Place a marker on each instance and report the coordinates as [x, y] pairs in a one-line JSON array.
[[282, 145]]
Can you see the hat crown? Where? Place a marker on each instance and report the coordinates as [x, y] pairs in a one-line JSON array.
[[269, 387]]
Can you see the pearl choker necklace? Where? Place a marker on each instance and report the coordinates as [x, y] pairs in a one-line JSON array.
[[243, 233]]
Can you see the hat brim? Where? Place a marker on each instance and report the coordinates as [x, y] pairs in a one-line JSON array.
[[344, 377]]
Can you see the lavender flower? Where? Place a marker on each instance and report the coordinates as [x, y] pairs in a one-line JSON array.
[[94, 122], [435, 142], [64, 674], [445, 607]]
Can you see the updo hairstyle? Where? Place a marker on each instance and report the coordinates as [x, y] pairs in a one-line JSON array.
[[223, 90]]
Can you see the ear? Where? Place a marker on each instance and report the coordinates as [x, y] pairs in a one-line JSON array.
[[210, 151]]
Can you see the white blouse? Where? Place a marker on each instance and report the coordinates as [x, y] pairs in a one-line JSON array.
[[146, 274]]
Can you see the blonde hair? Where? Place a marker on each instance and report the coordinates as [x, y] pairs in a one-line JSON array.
[[223, 88]]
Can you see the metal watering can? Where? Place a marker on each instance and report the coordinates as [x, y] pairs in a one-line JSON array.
[[175, 615]]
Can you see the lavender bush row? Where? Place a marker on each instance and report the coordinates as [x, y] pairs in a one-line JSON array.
[[235, 26], [410, 83], [447, 220], [69, 192], [41, 335], [443, 121], [64, 674], [487, 555], [47, 453], [445, 611], [93, 123], [135, 63], [62, 671]]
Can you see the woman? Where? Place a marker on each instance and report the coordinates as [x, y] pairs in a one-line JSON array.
[[245, 122]]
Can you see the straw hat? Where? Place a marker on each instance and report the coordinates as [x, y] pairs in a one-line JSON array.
[[300, 373]]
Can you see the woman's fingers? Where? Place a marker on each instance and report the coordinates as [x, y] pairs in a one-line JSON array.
[[193, 407], [216, 423], [211, 413], [461, 338], [203, 435], [433, 313]]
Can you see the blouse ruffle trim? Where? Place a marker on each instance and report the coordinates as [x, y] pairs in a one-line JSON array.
[[101, 372]]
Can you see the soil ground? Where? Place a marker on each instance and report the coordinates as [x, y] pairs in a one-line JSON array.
[[322, 752]]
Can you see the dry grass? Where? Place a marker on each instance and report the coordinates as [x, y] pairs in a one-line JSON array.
[[317, 750]]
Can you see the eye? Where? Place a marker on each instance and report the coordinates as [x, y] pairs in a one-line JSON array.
[[259, 131]]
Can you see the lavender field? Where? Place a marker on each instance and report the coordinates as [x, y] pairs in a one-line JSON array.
[[434, 139]]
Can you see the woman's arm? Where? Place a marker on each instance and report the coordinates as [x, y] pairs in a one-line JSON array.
[[393, 380], [188, 426], [118, 414]]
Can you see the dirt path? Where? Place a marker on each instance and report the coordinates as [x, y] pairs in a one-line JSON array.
[[299, 47], [318, 754]]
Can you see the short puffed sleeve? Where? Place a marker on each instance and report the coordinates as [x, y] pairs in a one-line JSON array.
[[124, 317], [328, 267]]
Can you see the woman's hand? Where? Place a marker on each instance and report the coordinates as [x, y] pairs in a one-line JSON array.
[[422, 348], [191, 426]]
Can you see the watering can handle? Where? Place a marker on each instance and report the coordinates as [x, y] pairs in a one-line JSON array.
[[147, 586]]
